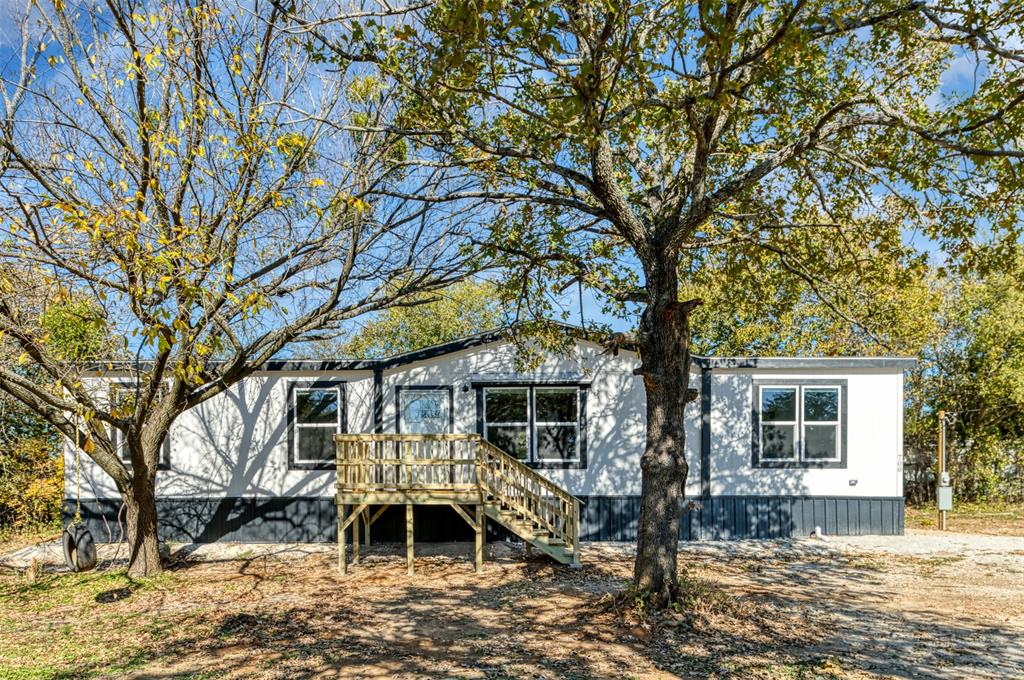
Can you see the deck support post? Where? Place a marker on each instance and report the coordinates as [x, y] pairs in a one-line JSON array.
[[481, 519], [408, 539], [355, 535], [575, 533], [367, 521], [342, 569]]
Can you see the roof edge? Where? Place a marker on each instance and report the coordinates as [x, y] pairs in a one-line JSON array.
[[499, 334], [891, 362]]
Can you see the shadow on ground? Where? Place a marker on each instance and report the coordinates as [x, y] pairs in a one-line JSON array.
[[770, 614]]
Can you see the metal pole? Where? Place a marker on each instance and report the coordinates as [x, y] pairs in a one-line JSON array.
[[942, 466]]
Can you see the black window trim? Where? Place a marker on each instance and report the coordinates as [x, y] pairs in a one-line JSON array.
[[340, 385], [582, 391], [755, 437], [116, 436], [425, 388]]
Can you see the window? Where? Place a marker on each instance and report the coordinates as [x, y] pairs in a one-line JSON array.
[[506, 412], [778, 423], [540, 425], [424, 410], [557, 423], [122, 404], [799, 424], [820, 429], [317, 412]]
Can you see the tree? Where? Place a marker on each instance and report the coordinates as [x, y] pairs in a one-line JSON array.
[[466, 308], [31, 462], [975, 372], [614, 139], [192, 170], [878, 303]]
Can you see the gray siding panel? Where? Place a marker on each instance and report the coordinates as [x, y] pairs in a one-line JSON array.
[[819, 519], [602, 518], [864, 518], [761, 518], [842, 517]]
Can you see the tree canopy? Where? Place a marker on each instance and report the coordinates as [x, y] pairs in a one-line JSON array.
[[461, 310], [974, 370], [753, 306], [196, 173], [622, 143]]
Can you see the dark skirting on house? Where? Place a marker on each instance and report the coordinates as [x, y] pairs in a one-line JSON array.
[[602, 518]]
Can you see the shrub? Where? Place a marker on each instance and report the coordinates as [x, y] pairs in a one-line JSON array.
[[31, 483]]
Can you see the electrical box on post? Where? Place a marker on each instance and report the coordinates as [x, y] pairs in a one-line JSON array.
[[945, 498]]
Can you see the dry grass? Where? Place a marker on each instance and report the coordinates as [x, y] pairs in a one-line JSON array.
[[997, 519], [12, 538], [261, 616]]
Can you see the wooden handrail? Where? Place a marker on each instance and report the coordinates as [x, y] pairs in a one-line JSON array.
[[527, 471], [538, 498], [445, 462], [379, 437]]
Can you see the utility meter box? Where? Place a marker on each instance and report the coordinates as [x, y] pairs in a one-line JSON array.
[[945, 497]]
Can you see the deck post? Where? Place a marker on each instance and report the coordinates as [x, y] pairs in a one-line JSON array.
[[481, 518], [575, 533], [355, 536], [341, 539], [408, 538], [366, 527]]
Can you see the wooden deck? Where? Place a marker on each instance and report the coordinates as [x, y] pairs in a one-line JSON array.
[[464, 471]]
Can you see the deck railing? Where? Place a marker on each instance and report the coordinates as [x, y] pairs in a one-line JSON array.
[[457, 463], [529, 493], [389, 462]]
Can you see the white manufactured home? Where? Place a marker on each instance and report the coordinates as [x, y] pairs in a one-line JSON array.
[[777, 446]]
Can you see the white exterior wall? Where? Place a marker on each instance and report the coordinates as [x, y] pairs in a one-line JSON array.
[[615, 408], [236, 443], [874, 438]]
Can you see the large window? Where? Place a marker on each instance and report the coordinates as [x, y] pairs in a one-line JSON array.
[[424, 410], [541, 425], [317, 413], [799, 424]]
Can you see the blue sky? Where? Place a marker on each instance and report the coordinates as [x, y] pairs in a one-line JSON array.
[[965, 72]]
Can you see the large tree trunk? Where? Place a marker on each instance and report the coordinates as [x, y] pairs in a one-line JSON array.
[[664, 340], [140, 503]]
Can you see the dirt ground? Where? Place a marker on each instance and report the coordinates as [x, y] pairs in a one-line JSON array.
[[995, 519], [754, 610]]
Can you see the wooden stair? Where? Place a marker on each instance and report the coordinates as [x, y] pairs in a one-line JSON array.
[[528, 504], [457, 470], [528, 532]]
